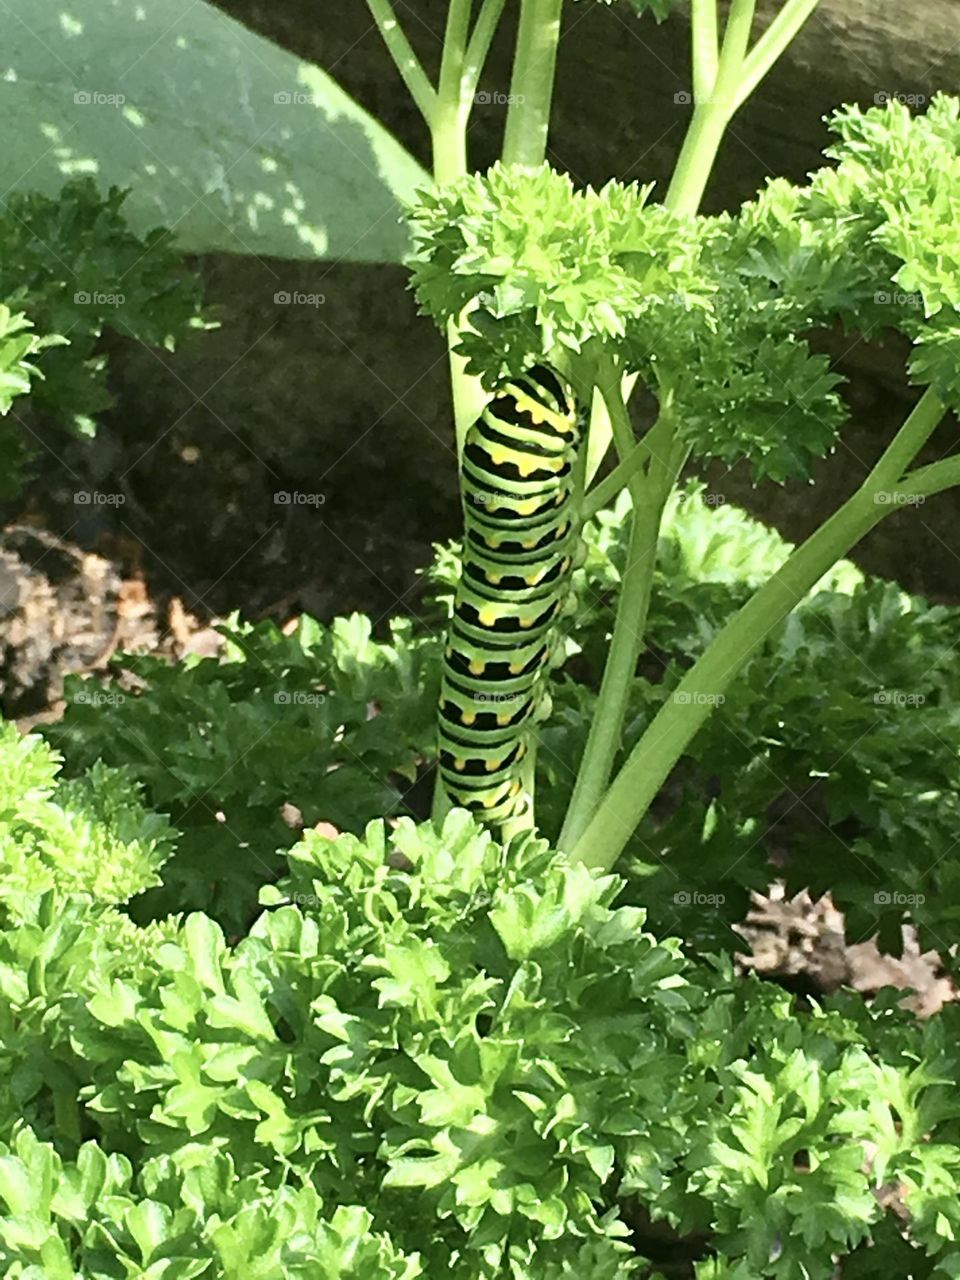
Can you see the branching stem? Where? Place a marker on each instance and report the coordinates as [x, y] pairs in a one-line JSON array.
[[649, 493], [404, 58], [603, 839]]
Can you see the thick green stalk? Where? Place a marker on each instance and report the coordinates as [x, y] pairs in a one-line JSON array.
[[697, 156], [717, 77], [908, 441], [531, 86], [697, 695], [736, 42]]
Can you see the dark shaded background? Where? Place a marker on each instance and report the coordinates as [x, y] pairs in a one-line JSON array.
[[348, 399]]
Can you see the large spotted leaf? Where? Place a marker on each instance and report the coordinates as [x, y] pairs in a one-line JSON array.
[[234, 143]]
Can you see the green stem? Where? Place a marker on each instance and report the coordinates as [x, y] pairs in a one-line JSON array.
[[608, 488], [601, 432], [674, 726], [772, 44], [714, 102], [703, 18], [721, 85], [909, 440], [487, 22], [678, 720], [449, 124], [696, 160], [930, 480], [405, 60], [649, 494], [736, 42], [623, 436], [469, 396], [531, 86], [449, 137]]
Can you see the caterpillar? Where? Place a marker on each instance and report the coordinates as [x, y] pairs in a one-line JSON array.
[[519, 533]]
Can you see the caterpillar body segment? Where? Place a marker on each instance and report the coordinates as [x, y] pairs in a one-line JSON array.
[[520, 539]]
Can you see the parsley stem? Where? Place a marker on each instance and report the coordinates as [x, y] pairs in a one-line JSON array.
[[479, 46], [681, 715], [697, 155], [909, 440], [718, 79], [706, 48], [713, 101], [771, 45], [449, 124], [932, 479], [607, 489], [649, 494], [459, 69], [404, 58], [531, 86], [722, 85]]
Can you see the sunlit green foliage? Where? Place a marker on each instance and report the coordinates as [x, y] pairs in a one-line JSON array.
[[477, 1045]]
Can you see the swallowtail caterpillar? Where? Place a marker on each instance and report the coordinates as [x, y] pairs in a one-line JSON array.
[[520, 537]]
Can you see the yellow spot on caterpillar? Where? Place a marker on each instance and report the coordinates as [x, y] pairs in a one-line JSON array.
[[477, 668], [527, 622], [540, 413], [500, 454], [516, 667], [532, 542], [459, 765], [488, 615], [448, 652], [526, 404], [492, 542], [493, 765], [489, 801], [495, 578], [530, 506], [467, 717], [503, 717], [533, 578], [515, 789]]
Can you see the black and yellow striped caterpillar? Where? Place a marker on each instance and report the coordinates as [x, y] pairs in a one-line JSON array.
[[519, 532]]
